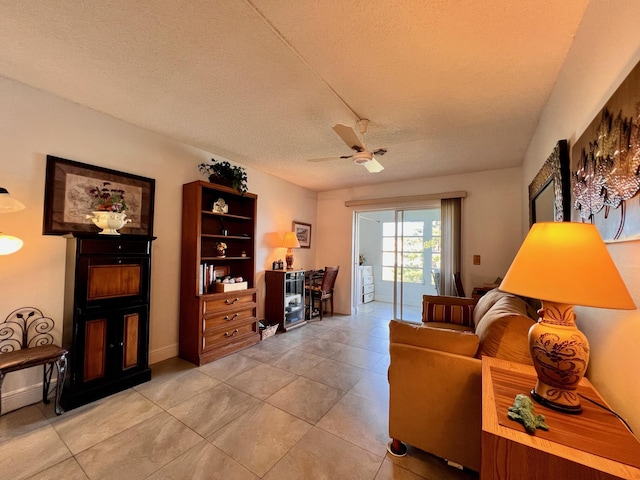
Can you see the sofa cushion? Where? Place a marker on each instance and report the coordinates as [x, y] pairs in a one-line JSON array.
[[454, 310], [503, 330], [485, 302], [452, 341]]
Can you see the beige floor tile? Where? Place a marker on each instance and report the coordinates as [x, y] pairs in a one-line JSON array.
[[319, 346], [65, 470], [260, 437], [226, 367], [381, 331], [265, 351], [262, 381], [203, 462], [90, 424], [336, 374], [392, 471], [167, 369], [298, 362], [382, 366], [306, 399], [318, 328], [139, 451], [340, 335], [34, 446], [377, 344], [429, 466], [290, 339], [214, 408], [178, 389], [320, 455], [21, 421], [373, 387], [359, 421], [360, 357]]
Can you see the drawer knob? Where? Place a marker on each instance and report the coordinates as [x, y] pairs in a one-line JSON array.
[[227, 334], [231, 302]]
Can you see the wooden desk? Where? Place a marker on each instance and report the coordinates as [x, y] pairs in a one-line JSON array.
[[594, 445]]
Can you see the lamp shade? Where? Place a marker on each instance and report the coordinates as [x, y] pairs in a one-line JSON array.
[[567, 263], [9, 244], [290, 240], [9, 204]]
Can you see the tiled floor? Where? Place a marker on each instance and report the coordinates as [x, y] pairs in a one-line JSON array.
[[311, 403]]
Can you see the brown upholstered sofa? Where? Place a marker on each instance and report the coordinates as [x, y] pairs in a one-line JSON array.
[[435, 378]]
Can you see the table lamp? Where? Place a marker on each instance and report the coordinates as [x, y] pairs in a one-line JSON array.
[[563, 264], [290, 241]]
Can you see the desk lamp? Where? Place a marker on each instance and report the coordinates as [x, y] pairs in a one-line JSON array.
[[563, 264], [290, 241], [8, 243]]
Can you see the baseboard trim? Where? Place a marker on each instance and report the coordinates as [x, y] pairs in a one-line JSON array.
[[25, 396], [163, 353]]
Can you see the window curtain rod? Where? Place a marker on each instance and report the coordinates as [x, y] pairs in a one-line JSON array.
[[411, 199]]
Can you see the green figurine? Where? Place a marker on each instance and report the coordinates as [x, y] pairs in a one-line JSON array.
[[522, 411]]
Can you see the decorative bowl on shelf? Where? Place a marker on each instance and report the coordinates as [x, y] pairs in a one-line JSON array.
[[109, 222]]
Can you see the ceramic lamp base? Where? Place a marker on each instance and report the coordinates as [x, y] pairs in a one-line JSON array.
[[560, 354]]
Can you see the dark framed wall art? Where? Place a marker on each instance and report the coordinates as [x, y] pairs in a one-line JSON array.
[[303, 232], [67, 197], [550, 190]]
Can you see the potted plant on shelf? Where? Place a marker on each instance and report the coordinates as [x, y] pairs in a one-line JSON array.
[[223, 173], [109, 207]]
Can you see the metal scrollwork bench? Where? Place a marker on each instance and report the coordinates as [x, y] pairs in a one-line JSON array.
[[26, 341]]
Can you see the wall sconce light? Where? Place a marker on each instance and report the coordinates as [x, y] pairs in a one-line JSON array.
[[8, 243], [290, 241], [8, 204]]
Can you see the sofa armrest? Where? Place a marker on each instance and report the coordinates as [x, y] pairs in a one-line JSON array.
[[435, 402]]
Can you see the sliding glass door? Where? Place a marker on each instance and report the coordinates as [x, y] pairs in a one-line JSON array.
[[401, 247]]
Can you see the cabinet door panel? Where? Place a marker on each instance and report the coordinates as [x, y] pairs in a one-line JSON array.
[[95, 349], [131, 340], [111, 281]]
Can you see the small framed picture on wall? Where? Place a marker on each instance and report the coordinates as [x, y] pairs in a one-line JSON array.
[[303, 232]]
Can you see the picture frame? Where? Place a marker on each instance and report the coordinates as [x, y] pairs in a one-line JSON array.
[[303, 233], [550, 190], [67, 201]]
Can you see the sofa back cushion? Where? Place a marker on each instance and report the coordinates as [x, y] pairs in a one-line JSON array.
[[454, 310], [451, 341], [503, 330]]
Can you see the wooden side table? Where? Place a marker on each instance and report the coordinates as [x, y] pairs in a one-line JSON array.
[[594, 445]]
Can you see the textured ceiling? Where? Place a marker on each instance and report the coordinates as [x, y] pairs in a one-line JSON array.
[[449, 86]]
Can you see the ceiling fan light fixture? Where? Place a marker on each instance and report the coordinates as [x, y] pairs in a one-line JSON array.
[[362, 158]]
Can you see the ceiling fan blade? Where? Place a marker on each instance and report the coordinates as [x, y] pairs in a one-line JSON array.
[[373, 166], [348, 136]]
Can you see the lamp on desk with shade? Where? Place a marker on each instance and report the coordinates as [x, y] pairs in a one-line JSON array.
[[8, 243], [563, 264], [290, 241]]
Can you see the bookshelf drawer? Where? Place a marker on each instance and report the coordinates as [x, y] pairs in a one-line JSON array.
[[223, 302], [226, 335], [227, 319]]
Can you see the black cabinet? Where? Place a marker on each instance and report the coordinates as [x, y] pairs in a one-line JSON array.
[[106, 321], [285, 298]]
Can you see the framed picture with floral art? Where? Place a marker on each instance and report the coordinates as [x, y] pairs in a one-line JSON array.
[[74, 190]]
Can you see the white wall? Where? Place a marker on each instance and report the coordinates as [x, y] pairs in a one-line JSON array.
[[491, 224], [605, 50], [34, 124]]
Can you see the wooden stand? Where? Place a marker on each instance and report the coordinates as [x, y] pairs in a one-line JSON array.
[[592, 445]]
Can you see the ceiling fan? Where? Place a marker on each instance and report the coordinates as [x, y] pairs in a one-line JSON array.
[[362, 156]]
